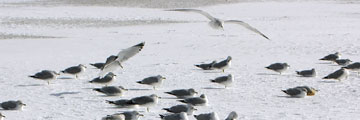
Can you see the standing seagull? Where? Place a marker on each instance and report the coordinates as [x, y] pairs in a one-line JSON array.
[[278, 67], [75, 70], [338, 75], [183, 93], [114, 117], [223, 64], [225, 80], [232, 116], [196, 101], [207, 116], [2, 116], [207, 66], [307, 73], [107, 79], [297, 92], [175, 116], [331, 57], [354, 67], [217, 23], [145, 101], [188, 109], [111, 90], [122, 56], [12, 105], [154, 81], [45, 75]]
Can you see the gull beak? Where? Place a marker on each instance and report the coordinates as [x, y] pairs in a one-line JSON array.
[[159, 97], [195, 109], [142, 115], [164, 78], [126, 89], [24, 104], [196, 92]]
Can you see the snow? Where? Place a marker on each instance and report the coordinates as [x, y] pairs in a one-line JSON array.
[[57, 37]]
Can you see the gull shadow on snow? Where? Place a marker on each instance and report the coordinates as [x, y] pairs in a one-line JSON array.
[[65, 78], [138, 89], [30, 85], [267, 74], [327, 81], [63, 93], [212, 88]]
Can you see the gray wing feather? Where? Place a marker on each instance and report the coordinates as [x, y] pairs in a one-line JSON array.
[[247, 26], [73, 70], [335, 74], [142, 100], [221, 79], [150, 80], [207, 15]]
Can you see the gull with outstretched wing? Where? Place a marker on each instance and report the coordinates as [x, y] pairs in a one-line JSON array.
[[217, 23], [122, 56]]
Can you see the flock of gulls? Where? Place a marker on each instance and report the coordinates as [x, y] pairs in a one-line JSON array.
[[187, 97]]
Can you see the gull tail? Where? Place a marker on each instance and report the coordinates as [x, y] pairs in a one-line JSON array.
[[183, 101], [167, 109], [97, 89], [33, 76], [162, 116], [110, 102]]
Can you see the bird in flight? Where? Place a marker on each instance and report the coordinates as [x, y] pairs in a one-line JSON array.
[[217, 23]]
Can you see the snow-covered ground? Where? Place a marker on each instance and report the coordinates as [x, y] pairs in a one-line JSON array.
[[34, 38]]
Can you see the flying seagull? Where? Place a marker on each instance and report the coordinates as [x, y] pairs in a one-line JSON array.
[[217, 23], [122, 56]]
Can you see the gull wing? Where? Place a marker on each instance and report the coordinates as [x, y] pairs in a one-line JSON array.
[[122, 57], [247, 26], [207, 15]]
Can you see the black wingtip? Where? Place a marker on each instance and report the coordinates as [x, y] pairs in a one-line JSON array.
[[197, 65], [161, 116], [326, 77], [141, 44], [110, 102], [297, 72], [284, 91], [139, 82], [167, 109], [32, 76], [97, 89], [183, 101], [212, 80]]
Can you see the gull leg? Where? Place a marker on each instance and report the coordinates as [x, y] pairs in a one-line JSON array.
[[223, 70], [48, 82], [148, 109]]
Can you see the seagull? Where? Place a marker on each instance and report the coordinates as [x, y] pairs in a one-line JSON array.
[[307, 73], [154, 81], [196, 101], [354, 67], [114, 117], [123, 103], [75, 70], [2, 116], [232, 116], [278, 67], [145, 101], [310, 91], [338, 74], [296, 92], [223, 64], [225, 80], [107, 79], [111, 90], [46, 75], [208, 66], [131, 115], [207, 116], [343, 62], [183, 93], [12, 105], [331, 57], [188, 109], [175, 116], [112, 65], [217, 23]]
